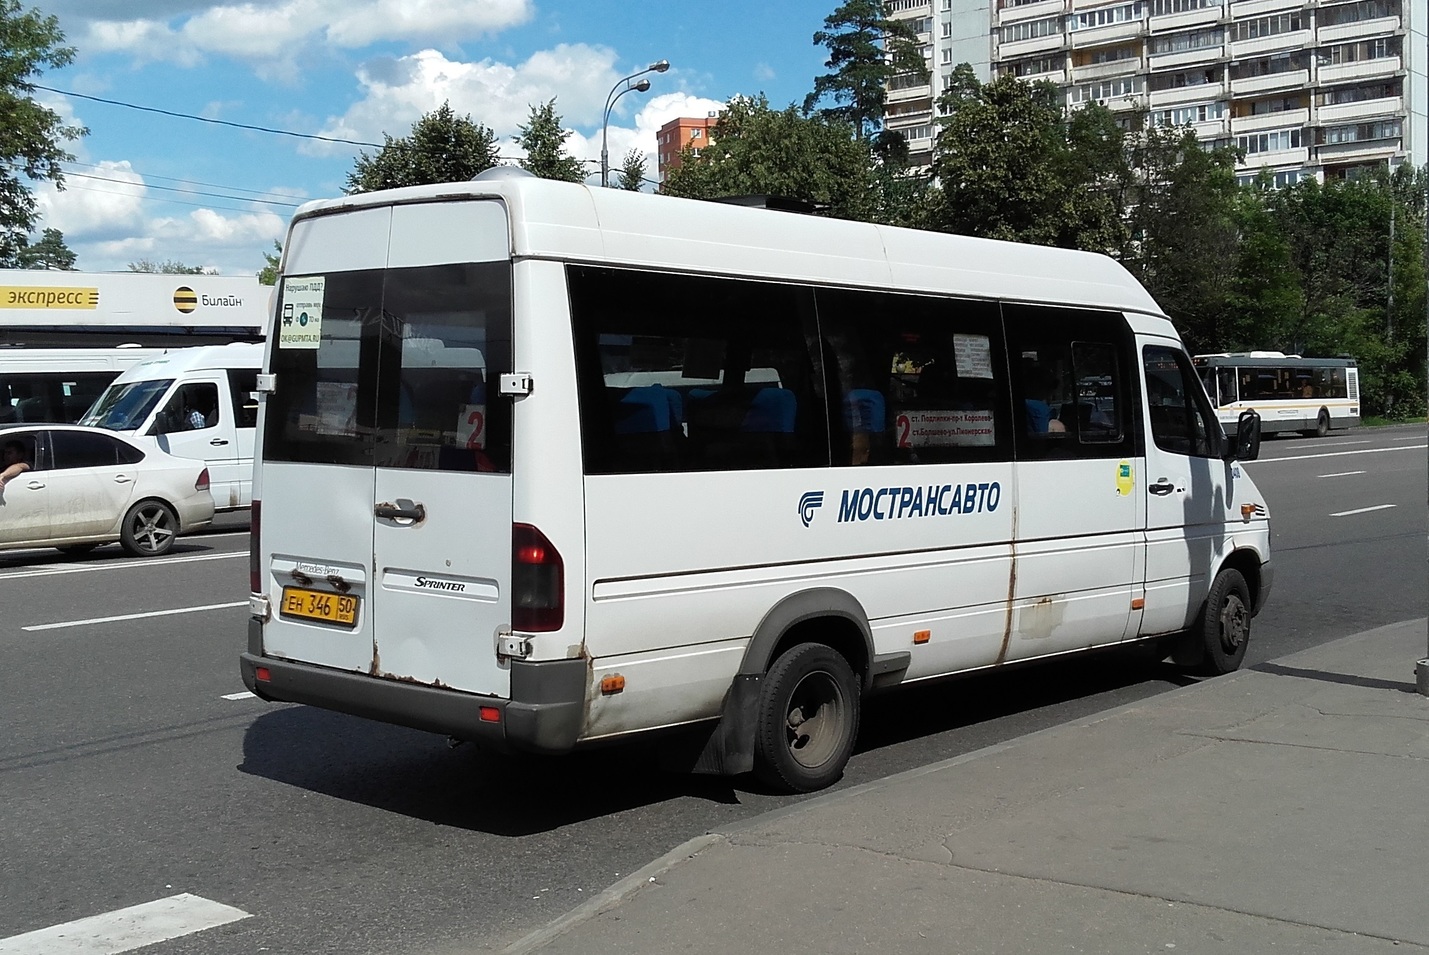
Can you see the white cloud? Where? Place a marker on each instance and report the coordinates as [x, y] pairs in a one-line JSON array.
[[108, 223], [282, 32]]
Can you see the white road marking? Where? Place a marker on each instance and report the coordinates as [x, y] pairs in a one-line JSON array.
[[46, 570], [1412, 437], [1342, 474], [1339, 444], [134, 616], [124, 930], [1364, 510], [245, 695], [1336, 454]]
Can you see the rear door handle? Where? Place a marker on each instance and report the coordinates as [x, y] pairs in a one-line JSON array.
[[1162, 487], [218, 442], [414, 512], [122, 479]]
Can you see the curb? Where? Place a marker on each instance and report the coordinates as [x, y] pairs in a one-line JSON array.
[[612, 896]]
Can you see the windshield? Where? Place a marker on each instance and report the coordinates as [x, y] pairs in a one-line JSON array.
[[123, 407]]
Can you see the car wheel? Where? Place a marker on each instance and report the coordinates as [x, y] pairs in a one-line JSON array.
[[76, 550], [1223, 631], [1322, 424], [149, 529], [808, 719]]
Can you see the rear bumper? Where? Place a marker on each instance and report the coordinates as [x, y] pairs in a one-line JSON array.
[[545, 713]]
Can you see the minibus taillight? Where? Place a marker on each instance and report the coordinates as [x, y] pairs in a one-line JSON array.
[[537, 581], [255, 580], [202, 483]]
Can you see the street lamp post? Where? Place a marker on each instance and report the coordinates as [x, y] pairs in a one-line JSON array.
[[617, 91]]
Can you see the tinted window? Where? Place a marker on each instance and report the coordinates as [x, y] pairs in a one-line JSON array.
[[193, 407], [400, 375], [689, 373], [49, 396], [1071, 382], [80, 449], [1181, 419], [919, 380], [242, 383]]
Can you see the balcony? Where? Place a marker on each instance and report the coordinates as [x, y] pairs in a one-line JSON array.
[[1098, 71], [1360, 112], [910, 93], [1278, 158], [1241, 9], [1240, 125], [1362, 151], [1209, 129], [1171, 22], [1041, 44], [1184, 95], [1340, 32], [1294, 40], [1363, 70], [1101, 36], [1030, 11], [1270, 83], [1206, 55]]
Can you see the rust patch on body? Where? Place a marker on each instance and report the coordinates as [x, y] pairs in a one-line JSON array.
[[1011, 594]]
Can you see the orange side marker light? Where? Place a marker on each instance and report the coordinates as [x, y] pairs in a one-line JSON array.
[[612, 684], [922, 636]]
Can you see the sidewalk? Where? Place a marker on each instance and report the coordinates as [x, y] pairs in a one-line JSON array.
[[1280, 809]]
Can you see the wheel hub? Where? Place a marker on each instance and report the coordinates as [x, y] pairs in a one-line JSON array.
[[1235, 624]]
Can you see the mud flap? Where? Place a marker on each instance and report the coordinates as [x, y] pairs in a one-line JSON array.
[[729, 751]]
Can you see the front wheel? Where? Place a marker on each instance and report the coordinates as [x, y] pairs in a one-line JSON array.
[[808, 719], [1223, 631], [149, 529]]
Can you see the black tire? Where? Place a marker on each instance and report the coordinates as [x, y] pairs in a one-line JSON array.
[[799, 753], [149, 529], [76, 550], [1224, 627], [1322, 424]]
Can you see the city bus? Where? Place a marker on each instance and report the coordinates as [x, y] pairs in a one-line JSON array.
[[1292, 394], [59, 384], [545, 466]]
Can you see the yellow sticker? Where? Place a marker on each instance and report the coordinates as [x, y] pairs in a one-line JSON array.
[[1125, 480]]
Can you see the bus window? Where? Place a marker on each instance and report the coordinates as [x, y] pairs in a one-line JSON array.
[[1226, 379]]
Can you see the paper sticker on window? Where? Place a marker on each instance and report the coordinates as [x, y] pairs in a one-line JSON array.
[[973, 355], [301, 324], [471, 427], [337, 408], [945, 429]]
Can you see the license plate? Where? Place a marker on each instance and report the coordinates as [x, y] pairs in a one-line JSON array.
[[319, 605]]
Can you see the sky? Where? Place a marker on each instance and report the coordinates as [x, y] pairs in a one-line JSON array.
[[148, 186]]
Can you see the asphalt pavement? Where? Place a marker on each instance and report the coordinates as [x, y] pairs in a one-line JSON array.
[[1281, 808]]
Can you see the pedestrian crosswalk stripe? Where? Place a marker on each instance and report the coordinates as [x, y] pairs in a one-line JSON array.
[[124, 930]]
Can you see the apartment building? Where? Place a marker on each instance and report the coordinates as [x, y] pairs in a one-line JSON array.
[[674, 136], [1322, 88]]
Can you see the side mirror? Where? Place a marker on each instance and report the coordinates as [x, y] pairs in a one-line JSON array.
[[1246, 446]]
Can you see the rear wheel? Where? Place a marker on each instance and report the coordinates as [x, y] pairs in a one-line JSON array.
[[808, 719], [149, 529], [1322, 424]]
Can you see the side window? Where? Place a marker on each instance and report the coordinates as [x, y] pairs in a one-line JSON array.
[[1181, 420], [193, 407], [82, 449], [20, 447], [915, 379], [242, 383], [691, 373], [1071, 382], [1226, 379]]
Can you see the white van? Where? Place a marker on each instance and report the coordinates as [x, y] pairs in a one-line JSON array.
[[719, 467], [192, 403]]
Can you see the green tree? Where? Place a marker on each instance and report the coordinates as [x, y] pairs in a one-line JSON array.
[[632, 171], [170, 267], [31, 136], [1183, 242], [544, 141], [442, 147], [268, 274], [1012, 164], [48, 253], [867, 49], [757, 150]]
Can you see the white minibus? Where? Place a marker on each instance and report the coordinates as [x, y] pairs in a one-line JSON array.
[[192, 403], [717, 468], [57, 385]]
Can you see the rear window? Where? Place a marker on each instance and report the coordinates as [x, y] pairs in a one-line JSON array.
[[396, 373]]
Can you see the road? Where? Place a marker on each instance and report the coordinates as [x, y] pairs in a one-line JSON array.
[[128, 775]]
